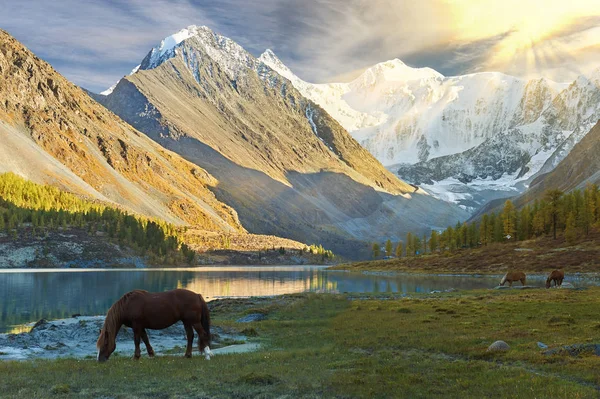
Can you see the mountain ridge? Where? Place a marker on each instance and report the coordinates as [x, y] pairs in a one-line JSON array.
[[53, 132], [282, 162], [436, 131]]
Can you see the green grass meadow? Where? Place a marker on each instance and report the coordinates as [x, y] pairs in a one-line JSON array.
[[322, 345]]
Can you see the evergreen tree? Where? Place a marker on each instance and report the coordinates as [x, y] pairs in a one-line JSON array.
[[483, 229], [458, 235], [523, 228], [388, 247], [417, 245], [473, 236], [376, 250], [571, 229], [490, 228], [498, 230], [399, 250], [509, 219], [433, 241], [553, 198], [410, 248], [451, 238]]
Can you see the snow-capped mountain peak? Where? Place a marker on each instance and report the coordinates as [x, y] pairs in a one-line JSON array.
[[396, 71], [488, 128], [271, 60]]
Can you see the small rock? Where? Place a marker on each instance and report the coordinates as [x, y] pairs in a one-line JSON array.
[[498, 346], [41, 325], [251, 318], [542, 345], [75, 315]]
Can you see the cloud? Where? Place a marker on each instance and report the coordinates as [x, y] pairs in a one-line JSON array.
[[95, 43]]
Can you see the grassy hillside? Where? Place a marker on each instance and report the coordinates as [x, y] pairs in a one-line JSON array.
[[538, 255], [31, 209]]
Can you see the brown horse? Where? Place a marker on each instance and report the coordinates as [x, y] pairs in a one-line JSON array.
[[513, 276], [557, 276], [142, 309]]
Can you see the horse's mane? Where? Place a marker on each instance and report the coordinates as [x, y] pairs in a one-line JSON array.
[[112, 322]]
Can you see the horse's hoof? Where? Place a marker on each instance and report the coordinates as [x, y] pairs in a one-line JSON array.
[[188, 355], [136, 358], [151, 355]]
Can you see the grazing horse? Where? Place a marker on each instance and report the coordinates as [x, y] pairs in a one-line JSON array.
[[557, 276], [513, 276], [140, 309]]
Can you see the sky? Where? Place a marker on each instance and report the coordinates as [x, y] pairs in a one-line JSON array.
[[95, 42]]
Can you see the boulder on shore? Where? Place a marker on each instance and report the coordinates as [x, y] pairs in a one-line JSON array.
[[498, 346]]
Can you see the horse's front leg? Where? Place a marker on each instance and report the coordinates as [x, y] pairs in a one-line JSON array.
[[136, 340], [189, 332], [147, 343]]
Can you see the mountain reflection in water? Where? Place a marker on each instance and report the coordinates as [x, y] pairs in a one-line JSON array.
[[29, 295]]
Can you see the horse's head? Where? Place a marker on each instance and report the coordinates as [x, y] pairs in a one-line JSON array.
[[548, 281], [106, 345], [503, 279]]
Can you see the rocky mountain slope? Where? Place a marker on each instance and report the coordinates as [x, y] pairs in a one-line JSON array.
[[466, 139], [282, 162], [580, 167], [53, 132]]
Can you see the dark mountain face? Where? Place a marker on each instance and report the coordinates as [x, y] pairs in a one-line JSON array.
[[282, 162]]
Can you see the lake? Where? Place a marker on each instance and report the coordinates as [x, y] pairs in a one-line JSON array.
[[30, 295]]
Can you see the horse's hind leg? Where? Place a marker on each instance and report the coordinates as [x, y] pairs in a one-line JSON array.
[[189, 332], [147, 343], [201, 339]]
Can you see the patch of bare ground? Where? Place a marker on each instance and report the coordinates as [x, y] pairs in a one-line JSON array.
[[249, 249]]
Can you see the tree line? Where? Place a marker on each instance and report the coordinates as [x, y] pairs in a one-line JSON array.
[[25, 205], [573, 214]]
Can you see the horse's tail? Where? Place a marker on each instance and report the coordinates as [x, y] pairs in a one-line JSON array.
[[205, 318]]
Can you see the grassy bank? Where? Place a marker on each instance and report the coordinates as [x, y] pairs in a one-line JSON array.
[[540, 255], [333, 346]]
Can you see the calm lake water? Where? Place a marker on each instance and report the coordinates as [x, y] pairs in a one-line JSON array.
[[30, 295]]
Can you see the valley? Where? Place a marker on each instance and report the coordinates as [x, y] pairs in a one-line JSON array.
[[338, 239]]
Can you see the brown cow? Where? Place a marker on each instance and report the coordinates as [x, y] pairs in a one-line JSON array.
[[557, 276], [510, 277]]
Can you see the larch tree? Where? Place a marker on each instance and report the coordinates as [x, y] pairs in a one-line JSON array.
[[553, 199], [433, 241], [388, 247], [399, 250], [509, 219], [376, 250]]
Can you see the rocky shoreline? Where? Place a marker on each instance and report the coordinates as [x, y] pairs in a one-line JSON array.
[[76, 337]]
